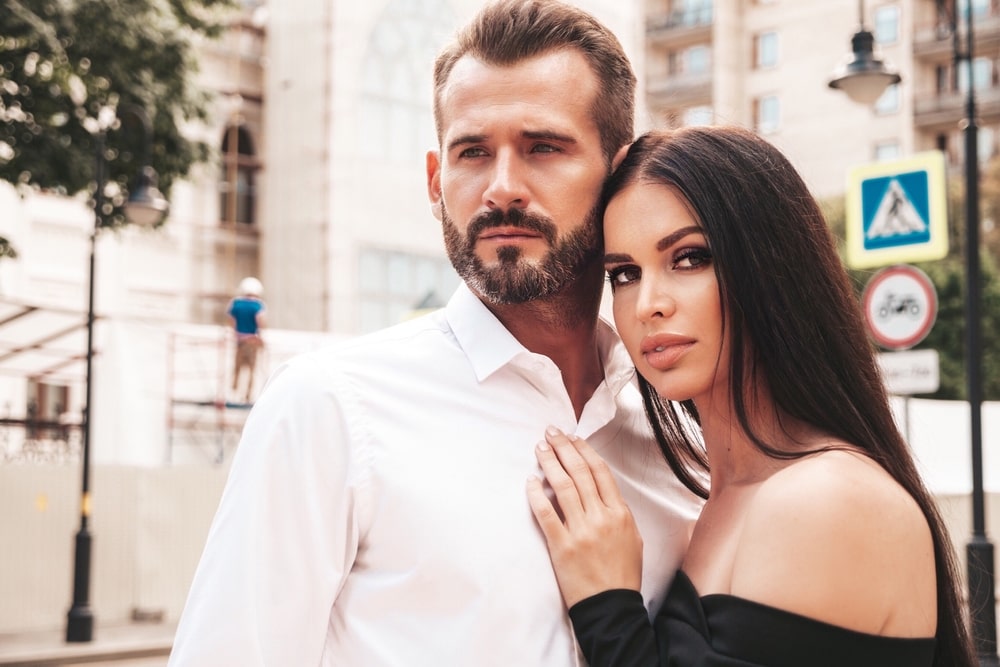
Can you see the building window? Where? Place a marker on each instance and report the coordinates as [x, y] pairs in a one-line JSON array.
[[698, 116], [979, 8], [982, 74], [47, 410], [697, 60], [765, 47], [767, 114], [887, 24], [887, 150], [987, 138], [692, 12], [694, 60], [889, 101], [942, 79], [237, 189], [396, 119], [394, 285]]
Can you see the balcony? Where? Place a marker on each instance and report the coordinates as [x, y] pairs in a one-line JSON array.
[[680, 27], [679, 90], [934, 42], [945, 111]]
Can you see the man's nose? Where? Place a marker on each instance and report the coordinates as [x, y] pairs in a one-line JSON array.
[[508, 187]]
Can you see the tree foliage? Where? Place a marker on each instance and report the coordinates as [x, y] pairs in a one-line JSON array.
[[948, 336], [65, 63]]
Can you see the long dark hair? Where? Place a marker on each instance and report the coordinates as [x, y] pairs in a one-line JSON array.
[[793, 320]]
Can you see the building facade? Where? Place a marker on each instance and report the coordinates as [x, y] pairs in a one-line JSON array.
[[766, 64]]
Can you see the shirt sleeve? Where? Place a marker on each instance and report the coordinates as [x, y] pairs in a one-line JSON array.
[[613, 630], [284, 536]]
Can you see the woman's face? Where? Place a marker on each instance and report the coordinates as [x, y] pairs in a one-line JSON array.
[[666, 295]]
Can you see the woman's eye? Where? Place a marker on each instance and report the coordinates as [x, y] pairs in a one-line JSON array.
[[622, 275], [692, 258]]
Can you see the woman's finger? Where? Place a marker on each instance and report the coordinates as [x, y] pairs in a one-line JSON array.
[[607, 487], [562, 484], [545, 514], [576, 467]]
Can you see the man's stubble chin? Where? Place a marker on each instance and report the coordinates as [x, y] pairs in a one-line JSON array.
[[513, 278]]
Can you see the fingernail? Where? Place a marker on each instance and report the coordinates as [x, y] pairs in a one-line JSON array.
[[543, 446], [552, 431]]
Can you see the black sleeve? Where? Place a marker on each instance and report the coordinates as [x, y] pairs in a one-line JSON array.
[[613, 630]]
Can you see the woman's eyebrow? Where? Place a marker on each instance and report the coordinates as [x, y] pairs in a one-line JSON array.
[[617, 258], [673, 238]]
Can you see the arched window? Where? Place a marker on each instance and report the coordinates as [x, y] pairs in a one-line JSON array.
[[396, 117], [237, 188]]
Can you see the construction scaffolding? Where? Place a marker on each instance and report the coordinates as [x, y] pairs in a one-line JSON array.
[[201, 410], [204, 414]]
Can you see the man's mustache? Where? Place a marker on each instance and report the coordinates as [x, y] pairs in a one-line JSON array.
[[514, 217]]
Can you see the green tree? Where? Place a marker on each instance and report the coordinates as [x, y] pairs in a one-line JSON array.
[[64, 63], [948, 276]]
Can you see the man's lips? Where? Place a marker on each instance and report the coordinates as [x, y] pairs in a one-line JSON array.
[[504, 233]]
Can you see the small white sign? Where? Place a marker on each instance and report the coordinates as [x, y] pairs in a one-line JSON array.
[[910, 372]]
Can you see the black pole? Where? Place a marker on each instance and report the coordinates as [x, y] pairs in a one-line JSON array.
[[80, 618], [979, 551]]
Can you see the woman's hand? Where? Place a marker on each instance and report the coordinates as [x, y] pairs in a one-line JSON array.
[[594, 544]]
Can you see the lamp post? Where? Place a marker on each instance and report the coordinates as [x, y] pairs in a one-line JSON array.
[[864, 77], [145, 206], [979, 550]]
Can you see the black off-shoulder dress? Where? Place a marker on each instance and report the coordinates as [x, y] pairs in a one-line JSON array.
[[726, 631]]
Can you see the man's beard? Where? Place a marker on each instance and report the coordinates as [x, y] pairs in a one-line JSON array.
[[514, 279]]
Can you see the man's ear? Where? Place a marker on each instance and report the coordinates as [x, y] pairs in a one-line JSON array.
[[434, 182], [619, 156]]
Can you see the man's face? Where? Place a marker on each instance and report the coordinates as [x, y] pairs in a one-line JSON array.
[[518, 176]]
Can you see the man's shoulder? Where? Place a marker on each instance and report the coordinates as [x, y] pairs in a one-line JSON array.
[[422, 337]]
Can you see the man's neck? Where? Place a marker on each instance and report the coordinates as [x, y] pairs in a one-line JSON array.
[[564, 328]]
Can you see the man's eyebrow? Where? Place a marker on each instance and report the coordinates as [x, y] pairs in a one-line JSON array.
[[466, 139], [549, 135]]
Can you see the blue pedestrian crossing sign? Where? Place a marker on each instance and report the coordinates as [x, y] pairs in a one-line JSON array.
[[897, 212]]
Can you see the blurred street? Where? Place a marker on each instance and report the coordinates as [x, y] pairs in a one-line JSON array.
[[131, 645]]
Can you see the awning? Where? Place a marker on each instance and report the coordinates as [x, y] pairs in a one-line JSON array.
[[42, 342]]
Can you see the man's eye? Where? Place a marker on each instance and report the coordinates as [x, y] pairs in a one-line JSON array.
[[472, 152]]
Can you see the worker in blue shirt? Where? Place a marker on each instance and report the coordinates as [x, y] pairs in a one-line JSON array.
[[246, 311]]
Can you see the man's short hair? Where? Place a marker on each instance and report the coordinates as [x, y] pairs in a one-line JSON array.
[[506, 32]]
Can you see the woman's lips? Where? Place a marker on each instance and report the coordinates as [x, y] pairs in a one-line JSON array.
[[663, 350]]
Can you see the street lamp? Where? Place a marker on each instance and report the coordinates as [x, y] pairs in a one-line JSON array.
[[979, 550], [147, 207], [864, 77]]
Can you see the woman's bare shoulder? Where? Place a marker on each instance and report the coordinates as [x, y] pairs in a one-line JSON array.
[[834, 537]]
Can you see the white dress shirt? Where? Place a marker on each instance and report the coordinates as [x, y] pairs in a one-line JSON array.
[[376, 515]]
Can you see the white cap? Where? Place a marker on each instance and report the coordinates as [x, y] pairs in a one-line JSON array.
[[251, 285]]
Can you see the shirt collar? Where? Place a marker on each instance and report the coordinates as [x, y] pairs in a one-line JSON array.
[[489, 346], [485, 341]]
